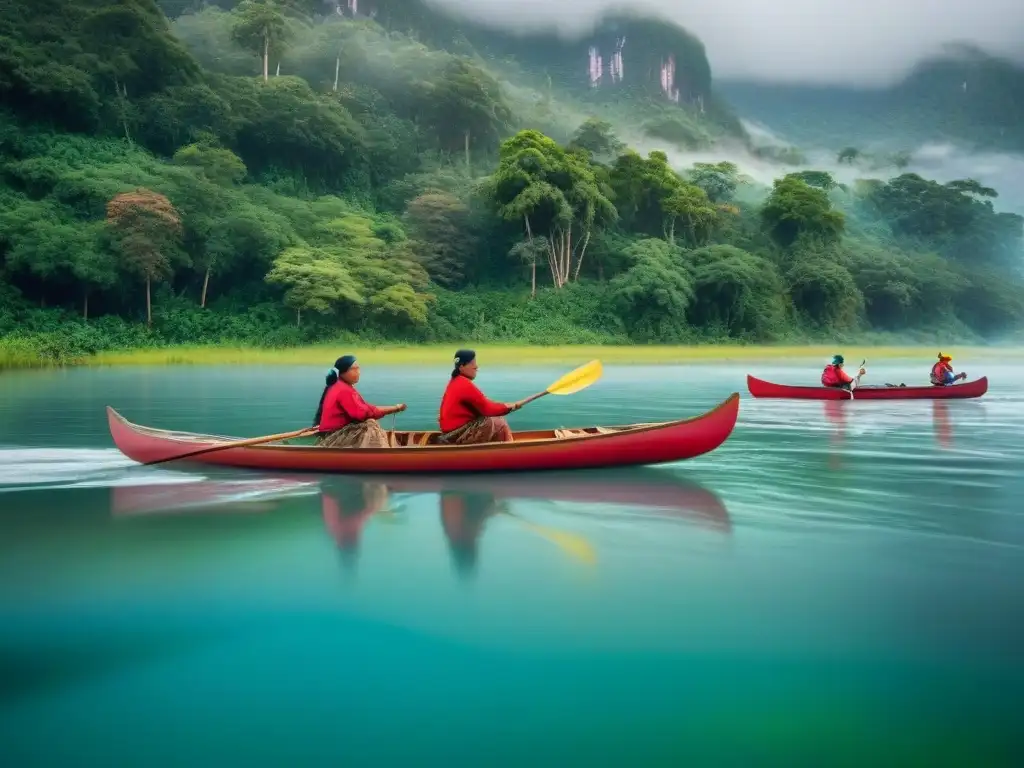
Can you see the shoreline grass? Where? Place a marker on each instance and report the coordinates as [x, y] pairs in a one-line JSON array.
[[499, 354]]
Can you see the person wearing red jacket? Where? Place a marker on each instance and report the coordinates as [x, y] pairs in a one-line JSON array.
[[835, 376], [466, 415], [942, 372], [344, 418]]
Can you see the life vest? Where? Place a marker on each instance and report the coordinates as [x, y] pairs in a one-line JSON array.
[[939, 372], [830, 376]]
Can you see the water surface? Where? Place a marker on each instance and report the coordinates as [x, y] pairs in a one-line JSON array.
[[839, 579]]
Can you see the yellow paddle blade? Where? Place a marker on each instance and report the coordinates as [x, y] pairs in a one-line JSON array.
[[571, 544], [574, 381]]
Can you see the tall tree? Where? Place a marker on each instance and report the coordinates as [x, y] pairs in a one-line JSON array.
[[465, 108], [146, 228], [796, 210], [262, 26], [443, 240], [555, 194]]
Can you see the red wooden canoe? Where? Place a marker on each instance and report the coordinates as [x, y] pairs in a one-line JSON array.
[[589, 448], [760, 388]]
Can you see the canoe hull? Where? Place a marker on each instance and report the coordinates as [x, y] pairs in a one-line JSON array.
[[760, 388], [628, 446]]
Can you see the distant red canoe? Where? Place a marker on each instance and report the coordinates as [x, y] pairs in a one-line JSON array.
[[760, 388], [589, 448]]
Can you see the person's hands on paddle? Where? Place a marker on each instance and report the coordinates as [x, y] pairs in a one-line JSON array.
[[861, 372], [396, 408], [516, 405]]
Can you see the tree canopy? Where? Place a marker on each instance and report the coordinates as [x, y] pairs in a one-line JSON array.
[[272, 171]]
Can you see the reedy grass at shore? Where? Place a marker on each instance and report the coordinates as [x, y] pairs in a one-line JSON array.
[[531, 355]]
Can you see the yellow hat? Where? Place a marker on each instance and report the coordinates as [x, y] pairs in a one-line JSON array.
[[945, 358]]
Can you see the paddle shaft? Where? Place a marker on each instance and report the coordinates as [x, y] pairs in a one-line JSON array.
[[236, 444], [862, 363], [531, 398]]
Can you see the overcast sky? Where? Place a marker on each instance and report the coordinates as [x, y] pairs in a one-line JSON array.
[[855, 42]]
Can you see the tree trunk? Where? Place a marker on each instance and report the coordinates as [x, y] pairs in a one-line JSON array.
[[533, 265], [579, 260], [337, 71], [85, 306], [266, 55], [298, 318], [149, 306], [278, 72], [466, 143], [206, 284]]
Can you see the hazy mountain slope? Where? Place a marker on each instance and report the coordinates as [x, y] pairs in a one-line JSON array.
[[965, 97]]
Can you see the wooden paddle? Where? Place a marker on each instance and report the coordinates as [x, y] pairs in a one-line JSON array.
[[572, 382], [236, 444], [572, 544]]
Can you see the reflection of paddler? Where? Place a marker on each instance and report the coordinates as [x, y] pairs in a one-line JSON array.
[[835, 414], [941, 423], [463, 516], [346, 509]]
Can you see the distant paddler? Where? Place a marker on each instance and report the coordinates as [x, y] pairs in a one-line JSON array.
[[835, 376], [942, 372], [345, 419], [466, 415]]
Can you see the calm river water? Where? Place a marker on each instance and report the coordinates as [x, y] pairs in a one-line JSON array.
[[839, 584]]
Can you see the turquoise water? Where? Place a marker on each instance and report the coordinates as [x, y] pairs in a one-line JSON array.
[[838, 584]]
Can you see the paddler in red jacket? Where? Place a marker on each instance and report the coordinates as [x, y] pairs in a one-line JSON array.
[[835, 376], [345, 419], [942, 372], [466, 415]]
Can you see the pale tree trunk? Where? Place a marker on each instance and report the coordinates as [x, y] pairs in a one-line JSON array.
[[85, 306], [533, 260], [149, 305], [337, 71], [206, 284], [579, 258], [278, 72], [466, 143], [670, 231], [298, 318], [266, 55]]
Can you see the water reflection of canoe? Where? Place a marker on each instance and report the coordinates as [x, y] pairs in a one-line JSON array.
[[638, 488], [592, 447], [256, 495], [760, 388], [632, 489]]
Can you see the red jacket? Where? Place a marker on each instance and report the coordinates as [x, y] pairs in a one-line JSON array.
[[343, 405], [833, 376], [939, 371], [462, 402]]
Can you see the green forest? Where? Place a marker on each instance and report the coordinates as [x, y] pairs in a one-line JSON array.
[[278, 173]]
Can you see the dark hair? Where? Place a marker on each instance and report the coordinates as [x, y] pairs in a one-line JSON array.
[[463, 357], [341, 365]]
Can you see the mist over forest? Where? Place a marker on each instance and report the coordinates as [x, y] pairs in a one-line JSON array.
[[282, 172]]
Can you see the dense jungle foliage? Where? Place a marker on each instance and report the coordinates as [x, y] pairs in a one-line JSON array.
[[277, 172]]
